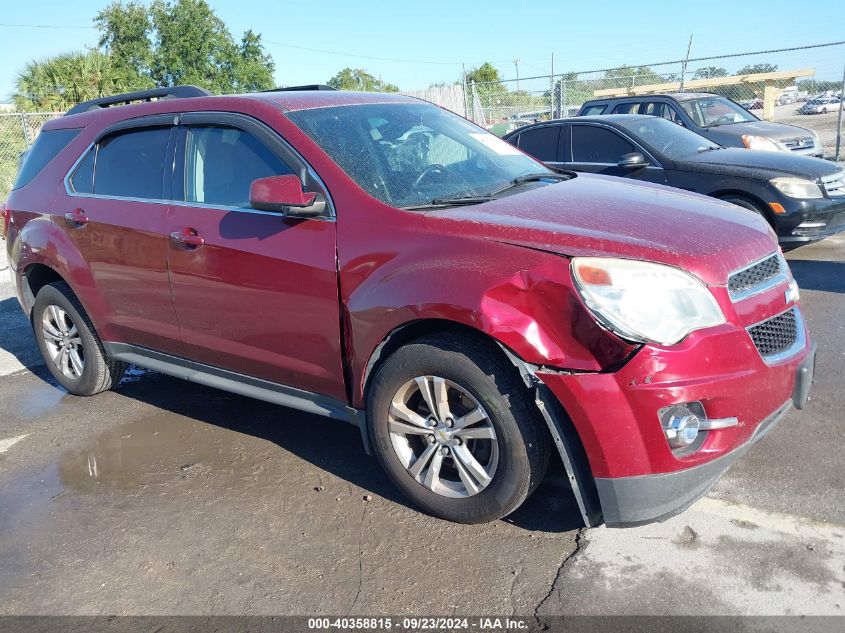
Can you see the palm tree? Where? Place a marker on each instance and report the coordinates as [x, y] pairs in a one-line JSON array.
[[58, 83]]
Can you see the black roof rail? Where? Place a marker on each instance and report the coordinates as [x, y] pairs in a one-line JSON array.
[[141, 95], [297, 88]]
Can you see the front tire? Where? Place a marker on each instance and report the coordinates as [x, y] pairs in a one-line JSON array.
[[455, 429], [69, 343]]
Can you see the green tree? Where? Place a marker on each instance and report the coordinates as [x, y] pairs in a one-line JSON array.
[[57, 83], [751, 69], [487, 73], [141, 46], [192, 45], [359, 79], [125, 31], [709, 72]]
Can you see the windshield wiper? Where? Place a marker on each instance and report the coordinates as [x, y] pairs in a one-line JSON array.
[[520, 180], [436, 203], [709, 148], [464, 200]]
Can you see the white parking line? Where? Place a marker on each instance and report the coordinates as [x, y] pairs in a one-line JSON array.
[[5, 445], [787, 524]]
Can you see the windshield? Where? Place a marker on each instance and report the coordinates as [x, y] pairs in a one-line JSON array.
[[715, 111], [667, 138], [410, 154]]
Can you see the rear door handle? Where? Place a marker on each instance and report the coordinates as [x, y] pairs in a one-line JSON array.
[[187, 237], [76, 218]]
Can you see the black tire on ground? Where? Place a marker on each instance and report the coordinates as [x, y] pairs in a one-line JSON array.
[[479, 368], [99, 371]]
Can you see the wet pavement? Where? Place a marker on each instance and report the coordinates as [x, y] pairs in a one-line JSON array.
[[165, 497]]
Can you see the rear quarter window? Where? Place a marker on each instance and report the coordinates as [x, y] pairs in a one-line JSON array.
[[46, 147]]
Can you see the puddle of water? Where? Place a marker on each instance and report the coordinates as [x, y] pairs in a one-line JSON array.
[[36, 399], [158, 450]]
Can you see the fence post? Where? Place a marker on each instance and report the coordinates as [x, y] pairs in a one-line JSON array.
[[25, 130], [839, 117], [769, 101], [552, 89]]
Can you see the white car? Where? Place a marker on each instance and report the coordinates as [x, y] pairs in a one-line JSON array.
[[821, 106]]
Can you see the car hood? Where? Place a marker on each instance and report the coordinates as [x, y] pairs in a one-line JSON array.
[[776, 131], [612, 217], [733, 161]]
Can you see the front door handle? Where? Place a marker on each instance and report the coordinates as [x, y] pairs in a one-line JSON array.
[[76, 218], [188, 237]]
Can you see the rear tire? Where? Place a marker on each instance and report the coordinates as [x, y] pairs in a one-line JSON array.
[[469, 474], [69, 343]]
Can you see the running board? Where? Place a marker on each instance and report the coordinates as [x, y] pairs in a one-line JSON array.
[[241, 384]]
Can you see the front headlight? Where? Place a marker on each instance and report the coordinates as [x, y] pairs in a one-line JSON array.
[[763, 143], [645, 302], [797, 187]]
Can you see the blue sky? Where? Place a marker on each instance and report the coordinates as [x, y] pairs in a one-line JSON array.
[[424, 41]]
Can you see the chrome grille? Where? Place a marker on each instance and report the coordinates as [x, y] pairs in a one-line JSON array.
[[802, 142], [757, 277], [834, 184], [776, 335]]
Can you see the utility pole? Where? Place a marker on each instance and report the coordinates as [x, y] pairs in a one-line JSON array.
[[839, 118], [466, 96], [684, 65], [516, 63]]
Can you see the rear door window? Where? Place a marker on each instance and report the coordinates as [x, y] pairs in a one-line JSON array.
[[594, 144], [627, 107], [592, 110], [541, 142], [221, 162], [46, 147], [131, 164]]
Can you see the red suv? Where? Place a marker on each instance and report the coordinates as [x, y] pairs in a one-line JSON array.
[[381, 261]]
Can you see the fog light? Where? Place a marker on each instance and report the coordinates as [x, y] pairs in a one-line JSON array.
[[682, 430], [680, 426]]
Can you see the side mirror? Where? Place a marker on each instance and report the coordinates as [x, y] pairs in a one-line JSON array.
[[632, 161], [284, 194]]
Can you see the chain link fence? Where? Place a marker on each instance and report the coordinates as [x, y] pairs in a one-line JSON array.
[[801, 86], [17, 133]]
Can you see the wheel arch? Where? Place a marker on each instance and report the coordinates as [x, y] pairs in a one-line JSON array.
[[559, 426], [762, 207], [35, 277]]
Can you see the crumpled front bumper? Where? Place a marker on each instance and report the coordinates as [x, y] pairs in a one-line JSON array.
[[638, 478]]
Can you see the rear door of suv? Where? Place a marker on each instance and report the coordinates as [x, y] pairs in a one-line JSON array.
[[115, 213], [259, 296]]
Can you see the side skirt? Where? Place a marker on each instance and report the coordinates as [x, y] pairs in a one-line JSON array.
[[241, 384]]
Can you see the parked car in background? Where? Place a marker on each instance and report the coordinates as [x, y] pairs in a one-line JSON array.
[[821, 106], [381, 261], [802, 198], [752, 104], [716, 118]]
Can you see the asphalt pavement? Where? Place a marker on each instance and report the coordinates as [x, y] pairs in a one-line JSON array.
[[165, 497]]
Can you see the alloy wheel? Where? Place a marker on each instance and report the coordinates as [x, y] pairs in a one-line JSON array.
[[443, 437], [63, 342]]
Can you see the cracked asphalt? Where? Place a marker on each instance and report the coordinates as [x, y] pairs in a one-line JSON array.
[[165, 497]]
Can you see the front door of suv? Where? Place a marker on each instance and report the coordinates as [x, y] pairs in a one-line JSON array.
[[115, 214], [259, 295]]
